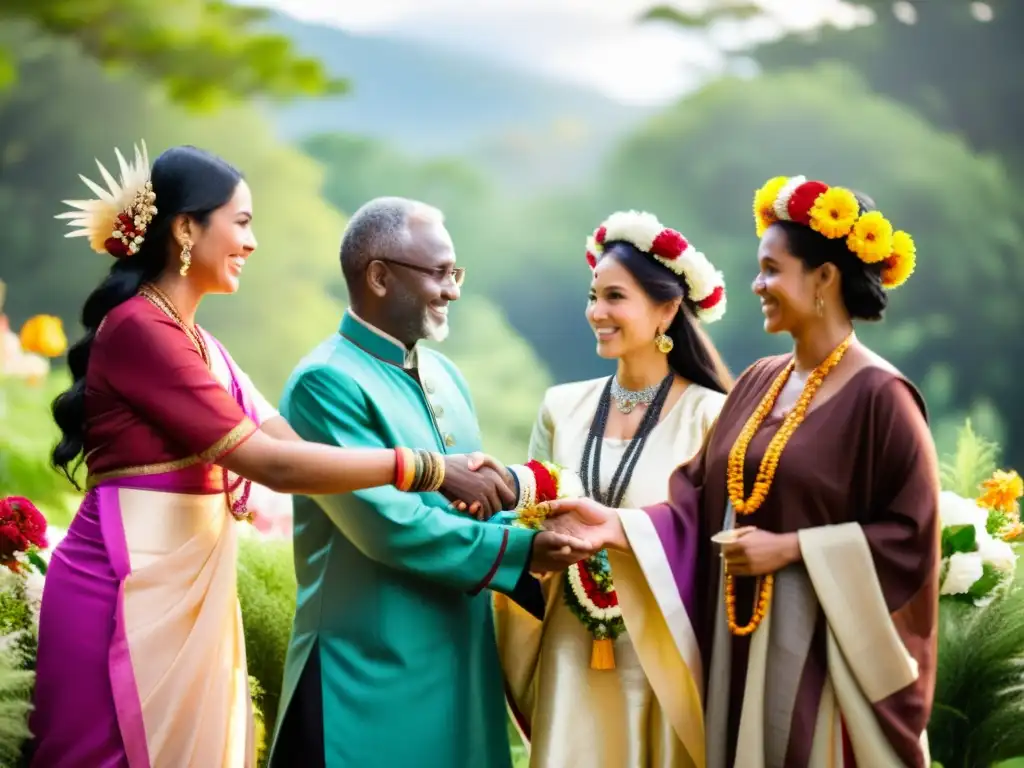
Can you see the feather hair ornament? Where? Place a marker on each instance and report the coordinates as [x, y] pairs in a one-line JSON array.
[[116, 220]]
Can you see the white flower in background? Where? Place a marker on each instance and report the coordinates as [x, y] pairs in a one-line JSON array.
[[997, 553], [956, 510], [964, 569]]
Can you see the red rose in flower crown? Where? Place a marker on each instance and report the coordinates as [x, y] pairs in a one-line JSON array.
[[705, 286], [22, 527]]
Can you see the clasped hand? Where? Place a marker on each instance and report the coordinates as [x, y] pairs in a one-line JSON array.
[[755, 552]]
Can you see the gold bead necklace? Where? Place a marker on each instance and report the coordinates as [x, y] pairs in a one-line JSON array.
[[766, 470]]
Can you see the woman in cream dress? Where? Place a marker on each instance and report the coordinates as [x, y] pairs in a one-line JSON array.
[[576, 687]]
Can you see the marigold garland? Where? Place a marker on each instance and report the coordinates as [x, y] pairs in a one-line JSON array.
[[835, 212], [769, 464]]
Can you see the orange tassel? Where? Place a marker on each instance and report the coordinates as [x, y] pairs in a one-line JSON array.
[[602, 655]]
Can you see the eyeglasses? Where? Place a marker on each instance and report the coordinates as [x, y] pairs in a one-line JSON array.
[[442, 274]]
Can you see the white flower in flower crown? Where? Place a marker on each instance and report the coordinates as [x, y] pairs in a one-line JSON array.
[[781, 204], [963, 570], [705, 285], [636, 227]]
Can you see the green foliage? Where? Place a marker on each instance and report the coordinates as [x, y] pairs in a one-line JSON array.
[[266, 591], [203, 51], [259, 723], [975, 460], [27, 433], [712, 13], [979, 696], [282, 308], [15, 705]]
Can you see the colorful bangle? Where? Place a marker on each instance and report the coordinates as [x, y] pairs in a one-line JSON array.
[[429, 472], [405, 469]]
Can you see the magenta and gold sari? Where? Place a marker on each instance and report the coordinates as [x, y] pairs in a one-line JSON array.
[[141, 654]]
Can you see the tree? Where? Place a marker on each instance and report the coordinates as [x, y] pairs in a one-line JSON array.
[[282, 308], [948, 60], [703, 159], [202, 51]]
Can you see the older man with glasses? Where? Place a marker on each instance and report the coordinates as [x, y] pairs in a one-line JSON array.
[[392, 660]]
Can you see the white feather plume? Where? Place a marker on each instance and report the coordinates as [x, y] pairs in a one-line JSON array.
[[97, 218]]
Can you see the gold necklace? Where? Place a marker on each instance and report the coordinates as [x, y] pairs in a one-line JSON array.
[[162, 302]]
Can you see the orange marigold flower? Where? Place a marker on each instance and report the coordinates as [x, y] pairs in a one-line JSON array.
[[1001, 492]]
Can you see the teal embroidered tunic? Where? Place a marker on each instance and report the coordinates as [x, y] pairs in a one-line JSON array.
[[392, 661]]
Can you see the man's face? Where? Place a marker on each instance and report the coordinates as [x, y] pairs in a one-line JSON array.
[[423, 283]]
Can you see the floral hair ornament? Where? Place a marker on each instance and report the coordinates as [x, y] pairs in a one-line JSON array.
[[705, 285], [835, 212], [116, 220]]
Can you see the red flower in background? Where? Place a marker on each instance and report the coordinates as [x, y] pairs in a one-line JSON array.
[[21, 526]]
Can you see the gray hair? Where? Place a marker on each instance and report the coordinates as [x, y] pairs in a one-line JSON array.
[[379, 230]]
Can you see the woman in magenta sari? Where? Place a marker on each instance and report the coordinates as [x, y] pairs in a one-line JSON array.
[[800, 546], [141, 655]]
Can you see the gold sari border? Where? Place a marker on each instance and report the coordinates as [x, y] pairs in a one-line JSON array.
[[661, 630], [238, 435], [94, 480], [839, 563]]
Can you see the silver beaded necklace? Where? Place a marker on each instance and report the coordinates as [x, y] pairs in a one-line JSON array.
[[627, 399]]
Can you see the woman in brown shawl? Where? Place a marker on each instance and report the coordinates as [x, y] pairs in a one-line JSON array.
[[816, 609]]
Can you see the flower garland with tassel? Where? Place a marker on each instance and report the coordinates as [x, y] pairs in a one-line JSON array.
[[588, 589]]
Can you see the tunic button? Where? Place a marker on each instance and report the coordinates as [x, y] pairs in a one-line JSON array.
[[438, 411], [449, 440], [429, 387]]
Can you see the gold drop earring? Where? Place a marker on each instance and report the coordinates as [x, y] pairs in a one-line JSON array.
[[663, 343], [186, 258], [819, 305]]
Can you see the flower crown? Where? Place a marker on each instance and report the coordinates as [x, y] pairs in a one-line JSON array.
[[835, 212], [116, 221], [705, 285]]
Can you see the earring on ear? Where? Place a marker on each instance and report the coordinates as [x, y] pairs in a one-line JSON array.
[[663, 343], [819, 305], [186, 258]]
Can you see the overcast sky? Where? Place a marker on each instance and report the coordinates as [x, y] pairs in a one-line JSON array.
[[594, 42]]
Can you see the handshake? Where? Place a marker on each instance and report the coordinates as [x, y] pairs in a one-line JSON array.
[[574, 529]]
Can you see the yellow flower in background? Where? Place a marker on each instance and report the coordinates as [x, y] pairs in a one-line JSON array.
[[764, 203], [834, 212], [901, 262], [44, 335], [871, 238], [1001, 492]]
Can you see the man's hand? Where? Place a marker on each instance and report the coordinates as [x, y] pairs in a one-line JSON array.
[[556, 552], [755, 552], [478, 481]]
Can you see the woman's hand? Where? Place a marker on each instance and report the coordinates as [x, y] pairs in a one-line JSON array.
[[587, 520], [755, 552]]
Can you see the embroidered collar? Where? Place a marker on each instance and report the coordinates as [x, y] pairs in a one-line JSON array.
[[375, 341]]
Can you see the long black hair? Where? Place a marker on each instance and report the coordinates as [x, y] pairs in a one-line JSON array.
[[860, 283], [693, 355], [186, 180]]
